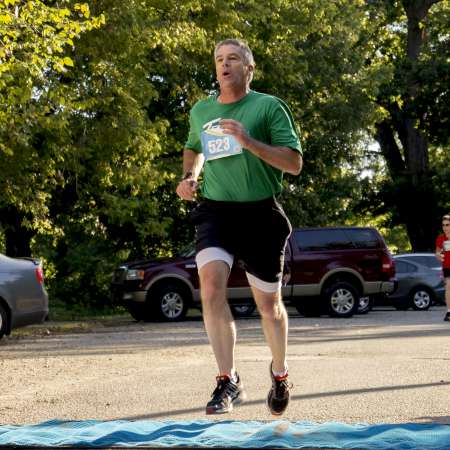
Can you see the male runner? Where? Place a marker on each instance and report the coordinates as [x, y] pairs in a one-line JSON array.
[[245, 140]]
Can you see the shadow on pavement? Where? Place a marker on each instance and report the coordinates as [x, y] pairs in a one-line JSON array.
[[294, 398]]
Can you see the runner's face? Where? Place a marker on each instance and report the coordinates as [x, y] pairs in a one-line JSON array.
[[446, 227], [231, 69]]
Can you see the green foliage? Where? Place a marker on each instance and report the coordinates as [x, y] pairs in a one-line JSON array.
[[412, 118], [35, 39], [440, 158]]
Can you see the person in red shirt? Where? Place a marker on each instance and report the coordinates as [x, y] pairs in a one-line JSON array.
[[443, 254]]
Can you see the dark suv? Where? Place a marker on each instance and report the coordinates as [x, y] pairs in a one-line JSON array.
[[327, 270]]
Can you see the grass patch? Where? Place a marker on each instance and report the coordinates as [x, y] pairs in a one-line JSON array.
[[61, 312]]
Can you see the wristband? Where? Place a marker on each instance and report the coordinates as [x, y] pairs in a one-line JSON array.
[[187, 175]]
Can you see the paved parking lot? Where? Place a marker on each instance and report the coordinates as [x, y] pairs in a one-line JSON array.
[[385, 367]]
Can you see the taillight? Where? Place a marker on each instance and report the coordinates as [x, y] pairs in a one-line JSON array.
[[39, 275], [388, 265]]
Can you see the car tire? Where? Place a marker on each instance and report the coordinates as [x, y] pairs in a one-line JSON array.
[[365, 304], [3, 321], [240, 311], [420, 298], [168, 302], [342, 300]]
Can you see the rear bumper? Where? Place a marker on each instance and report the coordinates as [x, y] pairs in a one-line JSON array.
[[35, 311], [440, 294], [383, 287], [389, 286], [29, 318]]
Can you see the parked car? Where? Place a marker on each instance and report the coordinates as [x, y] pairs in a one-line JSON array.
[[23, 298], [328, 270], [420, 282]]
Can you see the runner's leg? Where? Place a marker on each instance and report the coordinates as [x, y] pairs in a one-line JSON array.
[[219, 322], [274, 322], [447, 292]]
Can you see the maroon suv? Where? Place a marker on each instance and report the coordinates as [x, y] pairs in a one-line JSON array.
[[327, 270]]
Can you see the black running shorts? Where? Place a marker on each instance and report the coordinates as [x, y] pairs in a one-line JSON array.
[[253, 232]]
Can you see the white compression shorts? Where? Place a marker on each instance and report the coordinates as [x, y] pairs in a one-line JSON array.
[[210, 254]]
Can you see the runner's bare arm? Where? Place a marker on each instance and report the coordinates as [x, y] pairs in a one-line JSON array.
[[192, 165], [438, 254], [283, 158]]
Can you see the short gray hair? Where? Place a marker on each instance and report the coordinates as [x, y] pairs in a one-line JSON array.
[[246, 52]]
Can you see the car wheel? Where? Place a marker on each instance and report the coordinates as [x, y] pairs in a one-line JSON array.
[[169, 302], [3, 321], [342, 300], [420, 298], [365, 304], [242, 310]]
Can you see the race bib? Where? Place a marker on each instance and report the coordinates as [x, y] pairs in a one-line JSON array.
[[216, 144], [446, 246]]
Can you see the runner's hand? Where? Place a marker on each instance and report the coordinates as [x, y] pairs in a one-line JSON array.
[[187, 189], [236, 129]]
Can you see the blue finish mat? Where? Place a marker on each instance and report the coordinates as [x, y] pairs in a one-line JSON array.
[[227, 434]]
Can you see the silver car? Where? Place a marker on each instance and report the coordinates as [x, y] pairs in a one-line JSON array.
[[420, 281], [23, 298]]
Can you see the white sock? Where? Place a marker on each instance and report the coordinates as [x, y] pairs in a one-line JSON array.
[[280, 374]]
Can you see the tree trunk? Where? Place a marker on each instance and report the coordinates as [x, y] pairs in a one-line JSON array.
[[413, 196], [385, 137]]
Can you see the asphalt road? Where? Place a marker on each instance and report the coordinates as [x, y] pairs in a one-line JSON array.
[[385, 367]]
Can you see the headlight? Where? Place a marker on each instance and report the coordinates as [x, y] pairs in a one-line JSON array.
[[135, 274]]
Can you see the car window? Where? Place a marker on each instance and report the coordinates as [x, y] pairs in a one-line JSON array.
[[404, 267], [429, 261], [363, 238], [322, 240]]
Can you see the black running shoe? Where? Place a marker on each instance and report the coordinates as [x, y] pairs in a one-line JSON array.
[[227, 393], [278, 398], [447, 317]]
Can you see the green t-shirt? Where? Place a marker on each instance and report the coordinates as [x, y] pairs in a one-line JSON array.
[[241, 176]]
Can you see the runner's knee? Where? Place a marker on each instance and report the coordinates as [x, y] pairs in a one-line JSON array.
[[213, 293], [271, 310]]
